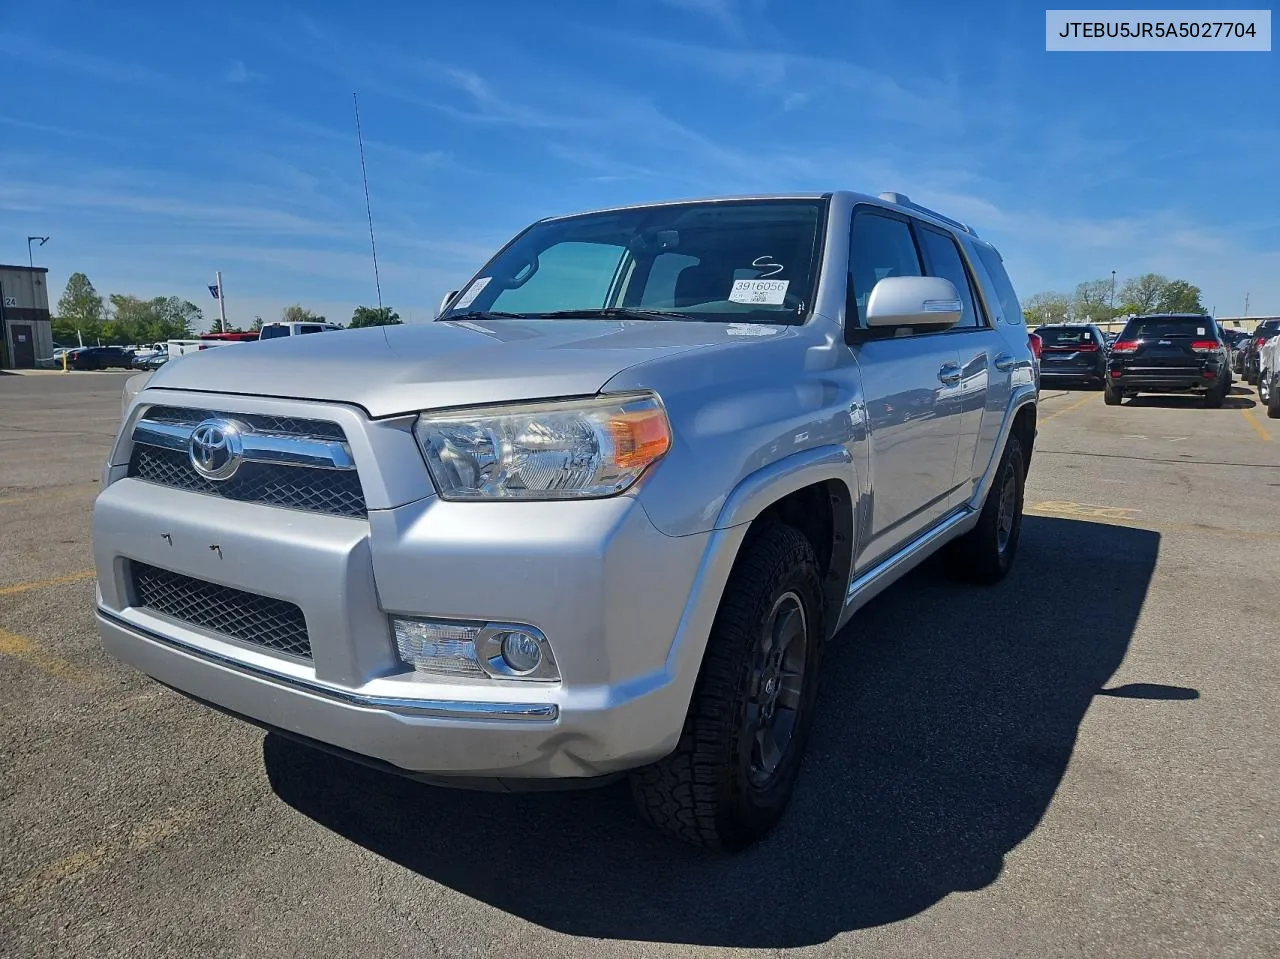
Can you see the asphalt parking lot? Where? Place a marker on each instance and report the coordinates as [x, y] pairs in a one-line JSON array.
[[1082, 761]]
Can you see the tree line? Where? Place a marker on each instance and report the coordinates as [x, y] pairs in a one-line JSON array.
[[84, 315], [1101, 300]]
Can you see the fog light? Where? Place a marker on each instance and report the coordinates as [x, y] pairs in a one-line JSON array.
[[521, 652], [493, 650], [438, 647]]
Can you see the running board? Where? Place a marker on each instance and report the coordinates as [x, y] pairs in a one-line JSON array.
[[884, 573]]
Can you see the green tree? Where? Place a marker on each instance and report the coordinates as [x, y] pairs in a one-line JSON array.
[[81, 311], [373, 316], [1046, 307], [1141, 294], [1092, 299], [300, 314], [135, 320], [1179, 296], [256, 325]]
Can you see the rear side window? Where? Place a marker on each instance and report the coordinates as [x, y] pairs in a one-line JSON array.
[[879, 246], [1009, 305], [1164, 326], [271, 332], [943, 259]]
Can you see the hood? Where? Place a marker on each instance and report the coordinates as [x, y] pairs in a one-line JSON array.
[[401, 369]]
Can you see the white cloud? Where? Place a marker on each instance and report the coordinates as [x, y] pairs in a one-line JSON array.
[[239, 73]]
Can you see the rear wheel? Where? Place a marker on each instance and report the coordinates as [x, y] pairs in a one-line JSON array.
[[985, 554], [735, 766], [1273, 397], [1264, 387], [1111, 395], [1214, 398]]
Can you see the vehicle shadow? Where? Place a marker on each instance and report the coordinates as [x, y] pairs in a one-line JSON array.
[[947, 720]]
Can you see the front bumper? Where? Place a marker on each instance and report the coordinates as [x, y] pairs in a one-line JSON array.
[[625, 608]]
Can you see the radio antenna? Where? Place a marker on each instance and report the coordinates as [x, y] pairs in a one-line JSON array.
[[364, 174]]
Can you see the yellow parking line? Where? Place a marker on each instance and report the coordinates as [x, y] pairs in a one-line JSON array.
[[19, 647], [1068, 409], [1255, 423], [45, 583], [139, 839]]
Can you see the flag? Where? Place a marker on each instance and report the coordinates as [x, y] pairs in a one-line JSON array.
[[213, 289]]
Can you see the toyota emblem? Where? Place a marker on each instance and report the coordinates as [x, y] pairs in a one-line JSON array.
[[216, 448]]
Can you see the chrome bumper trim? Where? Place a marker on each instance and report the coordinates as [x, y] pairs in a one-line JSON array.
[[418, 708]]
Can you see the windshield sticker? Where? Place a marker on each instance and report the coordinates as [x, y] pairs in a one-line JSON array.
[[759, 292], [748, 329], [766, 262], [473, 291], [1199, 331]]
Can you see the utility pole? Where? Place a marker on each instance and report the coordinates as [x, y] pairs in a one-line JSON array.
[[1246, 303], [222, 304]]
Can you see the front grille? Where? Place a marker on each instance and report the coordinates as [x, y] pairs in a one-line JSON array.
[[283, 425], [260, 620], [336, 492]]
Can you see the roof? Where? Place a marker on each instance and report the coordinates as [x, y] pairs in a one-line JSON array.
[[24, 269], [889, 199]]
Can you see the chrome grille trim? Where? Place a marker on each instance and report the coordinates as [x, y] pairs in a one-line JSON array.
[[277, 449]]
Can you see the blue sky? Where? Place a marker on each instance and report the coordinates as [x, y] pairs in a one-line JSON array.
[[157, 144]]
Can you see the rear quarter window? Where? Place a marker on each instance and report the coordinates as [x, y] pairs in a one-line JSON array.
[[1010, 308]]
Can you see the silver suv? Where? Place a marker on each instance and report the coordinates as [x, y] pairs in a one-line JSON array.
[[600, 518]]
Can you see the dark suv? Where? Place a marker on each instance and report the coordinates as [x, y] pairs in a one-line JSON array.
[[1073, 352], [1169, 353], [1249, 360], [100, 358]]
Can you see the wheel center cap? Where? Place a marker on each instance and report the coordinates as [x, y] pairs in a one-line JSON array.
[[771, 685]]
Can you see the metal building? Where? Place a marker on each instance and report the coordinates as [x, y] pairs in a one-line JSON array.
[[26, 334]]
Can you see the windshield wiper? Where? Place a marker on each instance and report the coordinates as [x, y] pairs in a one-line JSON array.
[[617, 313], [487, 315]]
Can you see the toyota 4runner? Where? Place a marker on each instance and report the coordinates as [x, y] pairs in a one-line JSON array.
[[600, 518]]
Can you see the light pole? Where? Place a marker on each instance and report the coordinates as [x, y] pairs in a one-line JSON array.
[[43, 240]]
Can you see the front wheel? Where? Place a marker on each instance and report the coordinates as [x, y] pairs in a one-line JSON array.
[[1264, 387], [735, 766], [1273, 397], [985, 554]]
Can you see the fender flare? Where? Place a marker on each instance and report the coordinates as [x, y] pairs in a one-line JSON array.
[[758, 490], [1023, 397]]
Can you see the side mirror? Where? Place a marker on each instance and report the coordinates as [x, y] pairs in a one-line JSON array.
[[445, 302], [914, 301]]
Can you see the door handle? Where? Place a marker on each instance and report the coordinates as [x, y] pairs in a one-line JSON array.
[[949, 374], [1004, 362]]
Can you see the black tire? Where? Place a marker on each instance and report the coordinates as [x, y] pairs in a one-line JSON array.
[[1273, 401], [1111, 395], [1214, 398], [1265, 389], [986, 553], [711, 791]]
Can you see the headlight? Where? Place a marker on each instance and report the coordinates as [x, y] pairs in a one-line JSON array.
[[570, 449]]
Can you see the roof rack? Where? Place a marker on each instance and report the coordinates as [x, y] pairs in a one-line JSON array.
[[901, 199]]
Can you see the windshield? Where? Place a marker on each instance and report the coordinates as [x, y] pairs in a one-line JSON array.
[[1065, 335], [1158, 326], [742, 261]]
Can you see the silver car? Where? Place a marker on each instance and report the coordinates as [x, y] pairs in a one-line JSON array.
[[600, 518]]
